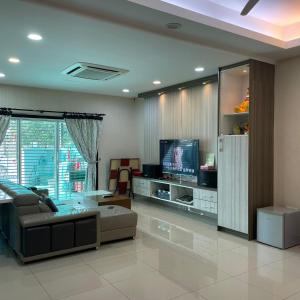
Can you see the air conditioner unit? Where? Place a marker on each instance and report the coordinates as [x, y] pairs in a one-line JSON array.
[[93, 72]]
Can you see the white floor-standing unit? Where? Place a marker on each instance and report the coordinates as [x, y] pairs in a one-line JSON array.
[[233, 182]]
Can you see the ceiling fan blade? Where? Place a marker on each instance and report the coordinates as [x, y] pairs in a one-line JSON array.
[[248, 7]]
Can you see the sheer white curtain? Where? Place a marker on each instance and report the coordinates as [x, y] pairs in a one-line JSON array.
[[86, 135], [4, 124], [190, 113]]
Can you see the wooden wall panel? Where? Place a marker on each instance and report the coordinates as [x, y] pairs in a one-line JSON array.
[[187, 114], [261, 139]]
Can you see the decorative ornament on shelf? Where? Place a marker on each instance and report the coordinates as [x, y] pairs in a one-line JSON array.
[[243, 107], [241, 129]]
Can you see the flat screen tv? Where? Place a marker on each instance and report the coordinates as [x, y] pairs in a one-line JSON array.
[[180, 156]]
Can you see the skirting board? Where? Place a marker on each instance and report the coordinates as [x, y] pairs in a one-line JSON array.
[[233, 232]]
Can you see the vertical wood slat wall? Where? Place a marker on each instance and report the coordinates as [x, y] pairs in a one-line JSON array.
[[261, 139], [187, 114]]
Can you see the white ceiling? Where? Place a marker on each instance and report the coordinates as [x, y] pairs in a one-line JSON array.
[[71, 38], [275, 22], [115, 33], [277, 12]]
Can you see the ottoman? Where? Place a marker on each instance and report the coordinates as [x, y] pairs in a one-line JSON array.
[[116, 223]]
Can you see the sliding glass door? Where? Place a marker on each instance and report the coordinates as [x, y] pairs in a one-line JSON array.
[[37, 155], [41, 153], [9, 153]]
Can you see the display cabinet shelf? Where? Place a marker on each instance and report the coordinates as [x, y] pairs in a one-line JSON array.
[[245, 160], [242, 114]]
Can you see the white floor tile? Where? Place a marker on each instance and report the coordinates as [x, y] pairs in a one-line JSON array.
[[290, 264], [260, 255], [234, 289], [276, 281], [11, 268], [174, 256], [233, 263], [70, 280], [294, 297], [149, 287], [106, 293], [121, 267], [25, 288], [190, 296], [189, 269]]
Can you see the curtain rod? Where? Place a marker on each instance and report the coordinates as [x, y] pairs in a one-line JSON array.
[[48, 111], [65, 114]]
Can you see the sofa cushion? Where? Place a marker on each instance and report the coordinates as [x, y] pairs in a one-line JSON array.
[[28, 210], [115, 217], [22, 196], [26, 199]]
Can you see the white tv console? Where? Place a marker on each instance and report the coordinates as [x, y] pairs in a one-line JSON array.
[[205, 200]]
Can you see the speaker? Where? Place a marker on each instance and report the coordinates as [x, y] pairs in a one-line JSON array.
[[208, 178], [152, 171]]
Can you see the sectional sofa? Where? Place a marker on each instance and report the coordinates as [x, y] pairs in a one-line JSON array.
[[36, 230]]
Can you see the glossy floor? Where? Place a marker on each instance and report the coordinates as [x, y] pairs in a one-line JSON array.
[[175, 256]]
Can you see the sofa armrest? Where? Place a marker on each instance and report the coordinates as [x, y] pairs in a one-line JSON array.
[[56, 217]]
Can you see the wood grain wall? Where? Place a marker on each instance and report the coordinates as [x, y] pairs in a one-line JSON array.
[[188, 114], [261, 139]]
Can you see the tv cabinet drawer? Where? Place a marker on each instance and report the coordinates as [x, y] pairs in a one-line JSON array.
[[207, 206], [206, 195], [141, 186], [206, 200]]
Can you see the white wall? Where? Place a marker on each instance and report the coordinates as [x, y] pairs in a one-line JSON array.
[[287, 133], [120, 129]]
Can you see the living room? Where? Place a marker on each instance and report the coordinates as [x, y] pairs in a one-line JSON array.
[[206, 105]]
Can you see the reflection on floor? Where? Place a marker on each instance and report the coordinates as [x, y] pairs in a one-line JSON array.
[[174, 256]]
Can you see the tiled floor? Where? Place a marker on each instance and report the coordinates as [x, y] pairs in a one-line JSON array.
[[174, 256]]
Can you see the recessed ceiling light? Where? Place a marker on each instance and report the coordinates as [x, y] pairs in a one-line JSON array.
[[245, 71], [199, 69], [14, 60], [34, 37], [156, 82], [125, 90], [2, 75], [204, 83], [174, 26]]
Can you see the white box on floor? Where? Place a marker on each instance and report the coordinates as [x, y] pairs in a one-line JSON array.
[[278, 226]]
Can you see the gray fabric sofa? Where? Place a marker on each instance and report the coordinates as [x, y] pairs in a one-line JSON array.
[[35, 232]]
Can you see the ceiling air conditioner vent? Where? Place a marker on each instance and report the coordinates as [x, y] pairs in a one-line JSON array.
[[93, 72]]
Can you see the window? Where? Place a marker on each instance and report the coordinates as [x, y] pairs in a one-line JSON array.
[[41, 153]]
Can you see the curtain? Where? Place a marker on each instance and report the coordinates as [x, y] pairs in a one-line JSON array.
[[190, 113], [4, 123], [86, 137]]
